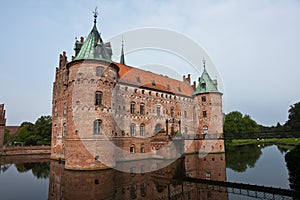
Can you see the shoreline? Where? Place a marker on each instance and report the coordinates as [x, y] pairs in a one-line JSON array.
[[25, 150], [291, 142]]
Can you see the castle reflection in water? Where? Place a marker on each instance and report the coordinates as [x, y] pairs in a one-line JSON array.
[[165, 183]]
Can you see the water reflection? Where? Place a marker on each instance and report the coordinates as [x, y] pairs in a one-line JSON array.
[[166, 183], [39, 165], [240, 158]]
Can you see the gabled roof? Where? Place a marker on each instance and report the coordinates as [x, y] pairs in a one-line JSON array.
[[206, 84], [93, 47], [147, 79]]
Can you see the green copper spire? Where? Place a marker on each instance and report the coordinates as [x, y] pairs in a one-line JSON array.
[[206, 84], [94, 47], [122, 59]]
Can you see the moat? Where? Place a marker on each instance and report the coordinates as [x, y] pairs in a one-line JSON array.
[[36, 177]]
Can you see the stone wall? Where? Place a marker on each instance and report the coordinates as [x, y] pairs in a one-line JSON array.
[[10, 151]]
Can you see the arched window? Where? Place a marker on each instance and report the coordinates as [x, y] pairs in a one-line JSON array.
[[142, 130], [64, 129], [158, 110], [142, 109], [132, 107], [143, 189], [98, 98], [132, 129], [142, 148], [205, 129], [172, 128], [97, 126], [132, 149], [65, 108], [172, 111], [133, 194]]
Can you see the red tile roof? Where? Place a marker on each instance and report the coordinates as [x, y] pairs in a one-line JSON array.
[[154, 81]]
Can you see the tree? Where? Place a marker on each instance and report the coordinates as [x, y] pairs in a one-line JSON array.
[[8, 138], [24, 133], [42, 128], [236, 124], [293, 123]]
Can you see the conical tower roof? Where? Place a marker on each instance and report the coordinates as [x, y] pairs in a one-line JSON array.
[[94, 47], [206, 84]]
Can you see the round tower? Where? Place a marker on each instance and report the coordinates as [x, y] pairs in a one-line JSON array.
[[210, 110]]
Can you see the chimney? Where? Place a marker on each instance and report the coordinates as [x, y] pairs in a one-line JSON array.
[[189, 78], [184, 78], [194, 85]]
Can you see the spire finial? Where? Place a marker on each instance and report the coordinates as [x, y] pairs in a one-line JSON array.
[[95, 15], [204, 61], [122, 58]]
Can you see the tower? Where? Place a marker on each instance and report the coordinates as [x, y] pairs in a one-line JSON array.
[[210, 105], [82, 111]]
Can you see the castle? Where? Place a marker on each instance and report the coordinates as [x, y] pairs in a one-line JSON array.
[[105, 112]]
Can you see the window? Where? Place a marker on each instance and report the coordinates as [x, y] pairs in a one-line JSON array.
[[132, 150], [204, 113], [65, 108], [64, 129], [172, 128], [138, 79], [203, 99], [186, 130], [98, 98], [142, 148], [99, 71], [143, 189], [203, 86], [185, 114], [207, 175], [97, 126], [143, 91], [142, 109], [158, 110], [205, 129], [168, 86], [142, 130], [172, 111], [179, 89], [132, 129], [133, 194], [132, 106], [153, 83]]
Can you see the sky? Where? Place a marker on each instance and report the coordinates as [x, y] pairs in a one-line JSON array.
[[254, 45]]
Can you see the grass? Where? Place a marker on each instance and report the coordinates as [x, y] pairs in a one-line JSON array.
[[281, 141]]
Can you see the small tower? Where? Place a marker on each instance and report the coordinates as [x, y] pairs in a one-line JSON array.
[[210, 104]]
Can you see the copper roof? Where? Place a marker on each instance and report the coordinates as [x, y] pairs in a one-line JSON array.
[[147, 79]]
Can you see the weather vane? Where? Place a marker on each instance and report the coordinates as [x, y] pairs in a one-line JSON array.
[[95, 15]]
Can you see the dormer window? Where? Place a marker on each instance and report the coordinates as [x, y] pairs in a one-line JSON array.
[[203, 86], [153, 83], [179, 89], [138, 79], [168, 86], [99, 71]]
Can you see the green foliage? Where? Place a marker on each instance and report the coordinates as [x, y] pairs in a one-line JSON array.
[[237, 124], [7, 137], [293, 123], [33, 134], [292, 159]]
